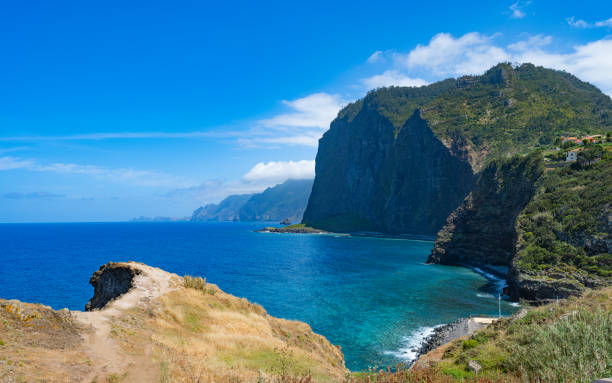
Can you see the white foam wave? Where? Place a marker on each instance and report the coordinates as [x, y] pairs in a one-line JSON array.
[[484, 295], [514, 304], [410, 344], [500, 283]]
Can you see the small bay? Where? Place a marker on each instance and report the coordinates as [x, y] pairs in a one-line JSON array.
[[374, 297]]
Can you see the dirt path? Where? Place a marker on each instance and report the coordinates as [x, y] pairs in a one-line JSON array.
[[104, 352]]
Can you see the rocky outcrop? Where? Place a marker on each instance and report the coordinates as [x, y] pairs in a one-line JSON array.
[[111, 281], [543, 289], [482, 230], [293, 229], [382, 180], [140, 336], [451, 331]]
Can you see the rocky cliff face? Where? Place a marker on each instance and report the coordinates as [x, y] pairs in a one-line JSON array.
[[551, 229], [482, 230], [109, 282], [383, 168], [382, 180], [160, 327]]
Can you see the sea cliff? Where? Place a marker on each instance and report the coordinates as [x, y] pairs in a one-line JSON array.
[[459, 158], [147, 325]]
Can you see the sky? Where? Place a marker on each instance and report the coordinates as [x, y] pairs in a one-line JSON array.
[[113, 110]]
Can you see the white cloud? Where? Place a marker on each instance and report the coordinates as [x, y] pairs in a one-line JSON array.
[[474, 53], [532, 43], [391, 77], [313, 111], [303, 124], [213, 191], [117, 175], [516, 9], [591, 62], [257, 179], [579, 23], [311, 140], [279, 171], [8, 163], [375, 57], [604, 23], [446, 55]]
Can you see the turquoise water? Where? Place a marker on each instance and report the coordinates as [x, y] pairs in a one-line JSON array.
[[374, 297]]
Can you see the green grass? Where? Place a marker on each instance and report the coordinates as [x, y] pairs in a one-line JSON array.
[[577, 348], [566, 342], [296, 226]]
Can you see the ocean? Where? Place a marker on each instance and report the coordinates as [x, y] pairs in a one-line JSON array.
[[375, 297]]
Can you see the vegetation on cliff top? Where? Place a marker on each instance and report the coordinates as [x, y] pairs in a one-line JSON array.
[[567, 225], [506, 110]]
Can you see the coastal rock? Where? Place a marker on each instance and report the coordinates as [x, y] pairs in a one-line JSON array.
[[371, 176], [451, 331], [111, 281], [482, 230], [293, 229]]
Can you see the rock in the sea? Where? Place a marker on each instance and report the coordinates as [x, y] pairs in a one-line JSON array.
[[110, 282]]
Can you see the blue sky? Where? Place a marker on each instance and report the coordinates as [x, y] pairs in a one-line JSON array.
[[113, 110]]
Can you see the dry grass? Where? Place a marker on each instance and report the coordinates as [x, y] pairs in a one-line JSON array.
[[39, 345], [198, 333]]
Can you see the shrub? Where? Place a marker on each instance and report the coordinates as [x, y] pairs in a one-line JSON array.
[[576, 348], [197, 283], [470, 343]]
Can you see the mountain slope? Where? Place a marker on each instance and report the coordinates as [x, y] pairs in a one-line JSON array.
[[552, 230], [383, 167], [226, 210], [564, 241], [283, 201]]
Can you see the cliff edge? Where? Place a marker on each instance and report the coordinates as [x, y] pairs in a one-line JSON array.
[[148, 325]]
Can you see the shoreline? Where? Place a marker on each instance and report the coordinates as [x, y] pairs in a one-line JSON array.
[[367, 234], [446, 333]]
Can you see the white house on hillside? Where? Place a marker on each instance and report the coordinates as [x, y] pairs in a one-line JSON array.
[[572, 155]]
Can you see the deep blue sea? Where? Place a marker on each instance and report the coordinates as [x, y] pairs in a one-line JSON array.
[[374, 297]]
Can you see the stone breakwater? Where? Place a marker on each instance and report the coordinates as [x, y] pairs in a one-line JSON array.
[[449, 332]]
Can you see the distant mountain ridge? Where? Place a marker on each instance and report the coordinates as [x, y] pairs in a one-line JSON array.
[[283, 201]]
